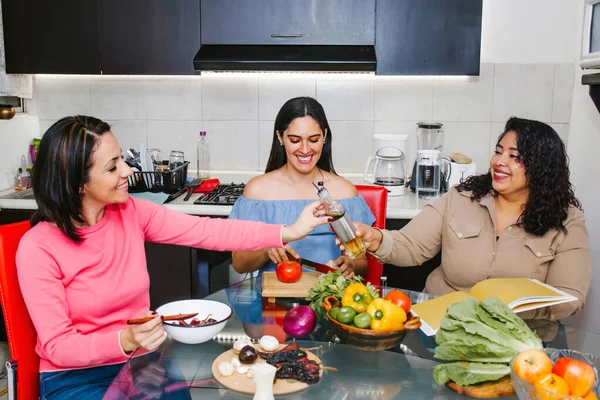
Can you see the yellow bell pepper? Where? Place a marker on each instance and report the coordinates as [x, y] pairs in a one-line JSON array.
[[358, 297], [386, 316]]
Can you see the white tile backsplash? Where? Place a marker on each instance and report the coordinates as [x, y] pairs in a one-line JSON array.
[[15, 136], [60, 96], [398, 99], [233, 144], [169, 98], [274, 91], [352, 145], [230, 98], [238, 111], [118, 98], [130, 133], [562, 130], [265, 141], [523, 90], [467, 99], [471, 139], [564, 78], [346, 100], [176, 135]]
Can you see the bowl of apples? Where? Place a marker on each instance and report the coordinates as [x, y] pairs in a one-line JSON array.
[[555, 374]]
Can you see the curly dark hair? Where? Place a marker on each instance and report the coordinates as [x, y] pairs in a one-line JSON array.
[[546, 163]]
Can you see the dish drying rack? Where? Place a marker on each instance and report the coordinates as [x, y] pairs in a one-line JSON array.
[[167, 181]]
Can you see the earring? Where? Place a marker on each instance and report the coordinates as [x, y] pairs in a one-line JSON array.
[[280, 144], [324, 141]]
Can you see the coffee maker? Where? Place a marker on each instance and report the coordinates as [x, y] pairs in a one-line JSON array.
[[430, 136], [387, 166]]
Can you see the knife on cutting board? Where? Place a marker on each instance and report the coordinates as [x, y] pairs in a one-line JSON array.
[[322, 268], [315, 266]]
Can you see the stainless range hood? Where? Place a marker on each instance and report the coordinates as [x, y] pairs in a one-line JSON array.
[[297, 57]]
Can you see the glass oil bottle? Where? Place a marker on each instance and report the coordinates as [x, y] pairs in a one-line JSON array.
[[342, 224]]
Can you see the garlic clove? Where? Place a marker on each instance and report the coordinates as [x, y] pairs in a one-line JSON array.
[[225, 369], [243, 369], [239, 345], [250, 373], [235, 362], [269, 343]]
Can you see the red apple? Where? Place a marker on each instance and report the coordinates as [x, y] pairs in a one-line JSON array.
[[579, 375], [532, 364], [547, 386]]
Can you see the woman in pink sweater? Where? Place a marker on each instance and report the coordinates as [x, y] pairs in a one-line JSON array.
[[82, 267]]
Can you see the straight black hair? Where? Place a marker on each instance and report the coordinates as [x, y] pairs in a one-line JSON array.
[[296, 108], [62, 168]]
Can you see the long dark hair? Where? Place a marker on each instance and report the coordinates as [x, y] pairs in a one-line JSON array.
[[62, 168], [296, 108], [546, 163]]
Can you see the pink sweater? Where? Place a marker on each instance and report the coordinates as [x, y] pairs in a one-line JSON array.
[[79, 296]]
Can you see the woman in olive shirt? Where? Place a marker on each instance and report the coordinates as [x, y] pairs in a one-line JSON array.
[[521, 219]]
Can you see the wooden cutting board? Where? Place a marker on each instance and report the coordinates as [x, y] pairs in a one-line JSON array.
[[242, 383], [486, 390], [273, 287]]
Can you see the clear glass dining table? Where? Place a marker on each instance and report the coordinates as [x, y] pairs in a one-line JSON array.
[[182, 371]]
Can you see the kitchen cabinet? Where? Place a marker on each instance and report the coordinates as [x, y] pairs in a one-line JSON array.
[[54, 37], [343, 22], [101, 36], [428, 37], [153, 37]]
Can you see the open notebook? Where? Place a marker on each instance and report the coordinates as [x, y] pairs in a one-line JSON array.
[[519, 294]]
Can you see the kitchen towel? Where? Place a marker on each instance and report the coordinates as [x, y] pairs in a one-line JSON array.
[[158, 198]]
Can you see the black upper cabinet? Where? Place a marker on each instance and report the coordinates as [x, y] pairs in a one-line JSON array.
[[428, 37], [154, 37], [54, 37], [339, 22]]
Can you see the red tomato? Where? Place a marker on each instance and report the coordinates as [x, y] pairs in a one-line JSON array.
[[531, 365], [579, 375], [551, 383], [288, 271], [399, 299]]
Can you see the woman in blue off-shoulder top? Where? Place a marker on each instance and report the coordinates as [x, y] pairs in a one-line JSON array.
[[300, 154]]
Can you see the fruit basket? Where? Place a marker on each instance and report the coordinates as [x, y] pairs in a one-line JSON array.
[[527, 391], [368, 339]]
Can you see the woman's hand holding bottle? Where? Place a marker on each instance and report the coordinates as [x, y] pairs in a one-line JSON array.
[[370, 236], [148, 335], [309, 219]]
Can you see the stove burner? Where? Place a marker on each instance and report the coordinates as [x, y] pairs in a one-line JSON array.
[[224, 195]]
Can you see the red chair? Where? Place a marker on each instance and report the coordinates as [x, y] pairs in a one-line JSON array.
[[21, 334], [376, 198]]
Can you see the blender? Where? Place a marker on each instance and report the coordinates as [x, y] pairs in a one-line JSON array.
[[430, 136]]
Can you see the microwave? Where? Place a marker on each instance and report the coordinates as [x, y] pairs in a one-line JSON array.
[[590, 45]]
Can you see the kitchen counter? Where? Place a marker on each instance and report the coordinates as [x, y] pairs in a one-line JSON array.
[[399, 207]]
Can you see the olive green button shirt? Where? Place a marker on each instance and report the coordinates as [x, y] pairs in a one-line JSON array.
[[465, 231]]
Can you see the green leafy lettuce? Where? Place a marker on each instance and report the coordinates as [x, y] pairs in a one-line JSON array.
[[480, 332], [469, 373], [332, 284], [486, 331]]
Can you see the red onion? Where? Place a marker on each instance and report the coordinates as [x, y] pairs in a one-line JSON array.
[[300, 321]]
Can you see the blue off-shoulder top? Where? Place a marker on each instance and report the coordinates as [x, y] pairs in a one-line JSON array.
[[319, 245]]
